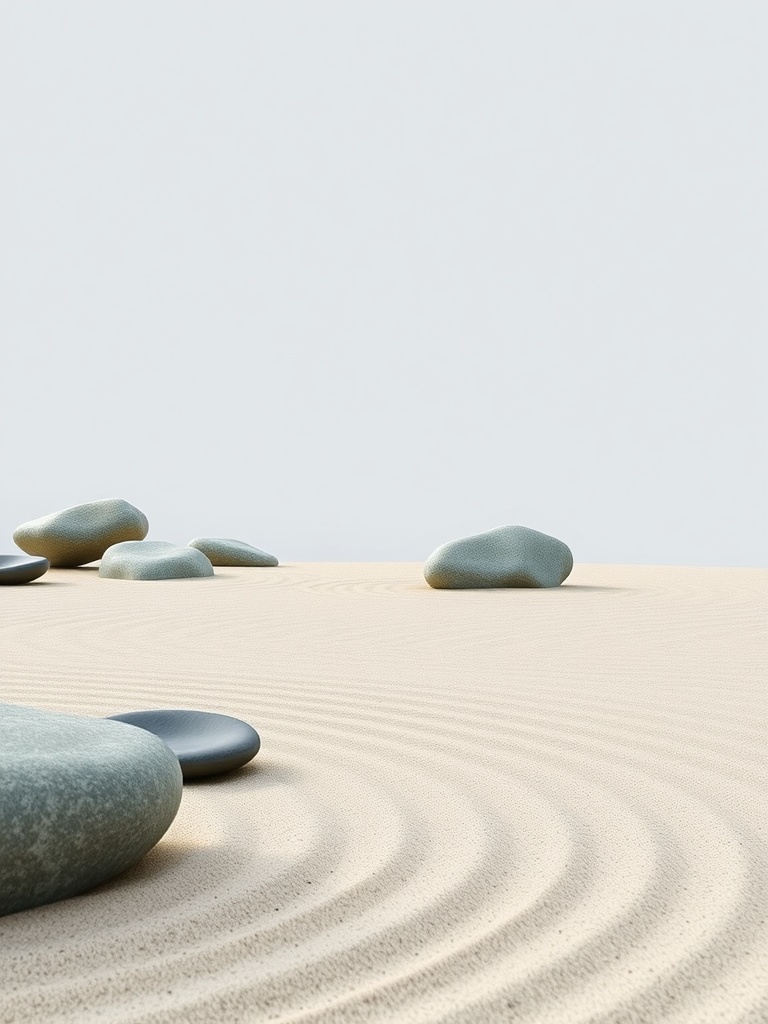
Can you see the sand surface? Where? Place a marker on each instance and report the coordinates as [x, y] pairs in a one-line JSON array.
[[538, 806]]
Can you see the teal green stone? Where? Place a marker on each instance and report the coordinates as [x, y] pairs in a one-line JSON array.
[[153, 560], [509, 556], [222, 551], [81, 799]]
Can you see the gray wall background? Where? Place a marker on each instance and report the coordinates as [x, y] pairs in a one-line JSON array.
[[348, 280]]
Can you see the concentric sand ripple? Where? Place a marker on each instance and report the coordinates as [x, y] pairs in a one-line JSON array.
[[534, 806]]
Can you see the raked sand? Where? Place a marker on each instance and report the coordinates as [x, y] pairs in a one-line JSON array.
[[535, 806]]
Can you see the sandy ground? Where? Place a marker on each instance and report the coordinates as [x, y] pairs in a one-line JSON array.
[[538, 806]]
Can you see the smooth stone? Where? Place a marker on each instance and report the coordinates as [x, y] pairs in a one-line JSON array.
[[223, 551], [81, 534], [153, 560], [205, 743], [509, 556], [81, 799], [16, 569]]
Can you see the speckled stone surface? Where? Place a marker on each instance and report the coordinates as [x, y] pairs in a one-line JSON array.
[[16, 569], [205, 743], [81, 799], [509, 556], [153, 560], [222, 551], [82, 533]]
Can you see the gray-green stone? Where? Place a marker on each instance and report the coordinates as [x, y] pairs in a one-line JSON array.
[[82, 533], [153, 560], [223, 551], [81, 799], [509, 556]]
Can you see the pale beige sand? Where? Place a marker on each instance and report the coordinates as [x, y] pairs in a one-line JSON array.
[[539, 806]]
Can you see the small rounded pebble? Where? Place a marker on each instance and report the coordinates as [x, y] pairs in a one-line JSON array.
[[153, 560], [222, 551], [204, 742]]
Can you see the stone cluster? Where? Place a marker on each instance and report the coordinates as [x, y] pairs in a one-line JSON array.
[[113, 530]]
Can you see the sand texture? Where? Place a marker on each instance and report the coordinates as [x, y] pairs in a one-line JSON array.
[[522, 805]]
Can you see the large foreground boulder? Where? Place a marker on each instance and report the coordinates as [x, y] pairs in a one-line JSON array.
[[81, 799], [509, 556], [82, 533], [223, 551], [153, 560]]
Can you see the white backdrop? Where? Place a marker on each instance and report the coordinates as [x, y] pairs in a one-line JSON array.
[[348, 280]]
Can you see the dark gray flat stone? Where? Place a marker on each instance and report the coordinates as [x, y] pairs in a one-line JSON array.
[[21, 568], [81, 799], [205, 743]]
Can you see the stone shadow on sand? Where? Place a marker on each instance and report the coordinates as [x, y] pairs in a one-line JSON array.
[[257, 774], [87, 569], [160, 860], [582, 587], [591, 588]]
